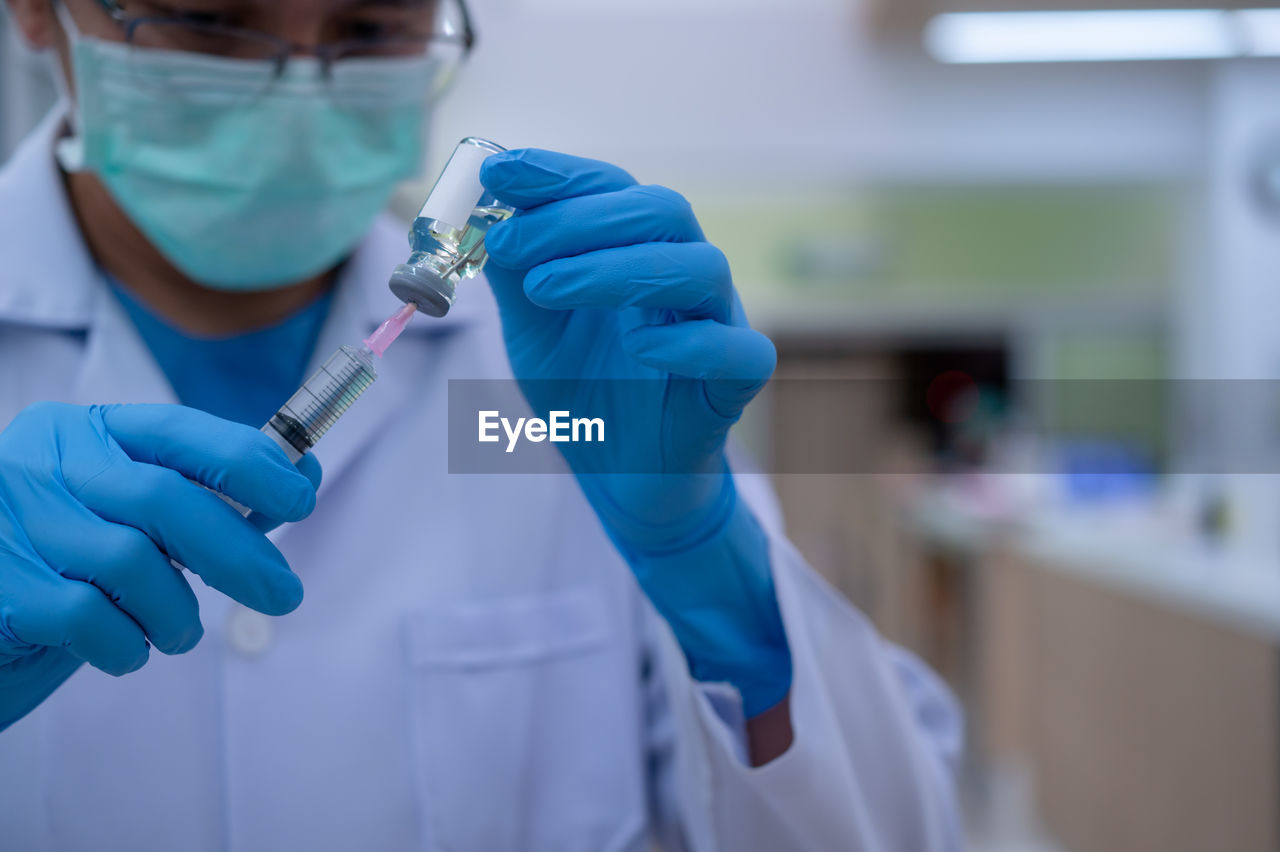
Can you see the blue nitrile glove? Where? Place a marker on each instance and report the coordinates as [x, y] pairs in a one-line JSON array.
[[598, 279], [94, 502]]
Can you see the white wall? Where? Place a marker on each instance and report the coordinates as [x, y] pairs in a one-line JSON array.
[[757, 92], [25, 88], [785, 90], [1240, 297]]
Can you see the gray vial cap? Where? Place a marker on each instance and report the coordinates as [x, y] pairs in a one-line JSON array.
[[424, 289]]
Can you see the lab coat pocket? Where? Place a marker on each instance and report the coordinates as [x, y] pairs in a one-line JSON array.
[[521, 730]]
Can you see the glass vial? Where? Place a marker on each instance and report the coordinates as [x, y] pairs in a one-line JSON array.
[[447, 238]]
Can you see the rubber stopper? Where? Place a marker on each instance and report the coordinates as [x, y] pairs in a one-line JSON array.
[[422, 288]]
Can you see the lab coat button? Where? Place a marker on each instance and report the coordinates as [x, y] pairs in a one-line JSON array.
[[250, 632]]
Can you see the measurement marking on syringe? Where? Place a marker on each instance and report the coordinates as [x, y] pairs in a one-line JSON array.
[[326, 396]]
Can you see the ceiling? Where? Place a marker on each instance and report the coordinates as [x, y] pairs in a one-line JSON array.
[[911, 15]]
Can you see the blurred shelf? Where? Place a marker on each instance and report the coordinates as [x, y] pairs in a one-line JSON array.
[[1122, 551], [975, 319], [1190, 576]]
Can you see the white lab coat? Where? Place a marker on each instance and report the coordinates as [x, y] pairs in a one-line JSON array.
[[473, 667]]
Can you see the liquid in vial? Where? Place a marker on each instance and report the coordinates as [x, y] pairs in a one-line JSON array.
[[447, 238]]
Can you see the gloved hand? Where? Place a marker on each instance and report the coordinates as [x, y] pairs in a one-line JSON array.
[[94, 502], [599, 279]]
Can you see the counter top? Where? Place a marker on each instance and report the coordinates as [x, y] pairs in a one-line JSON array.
[[1129, 550]]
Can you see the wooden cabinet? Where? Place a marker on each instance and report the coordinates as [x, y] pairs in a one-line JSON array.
[[1147, 727]]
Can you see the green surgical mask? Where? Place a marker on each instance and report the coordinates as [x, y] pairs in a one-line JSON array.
[[243, 180]]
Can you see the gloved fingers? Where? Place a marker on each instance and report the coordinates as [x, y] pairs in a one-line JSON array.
[[126, 566], [230, 458], [530, 177], [735, 363], [704, 349], [308, 466], [690, 278], [637, 214], [63, 613], [525, 325], [199, 530]]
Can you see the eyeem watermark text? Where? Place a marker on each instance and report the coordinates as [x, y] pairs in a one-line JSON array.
[[562, 428]]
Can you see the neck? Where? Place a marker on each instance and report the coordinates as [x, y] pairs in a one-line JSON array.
[[126, 254]]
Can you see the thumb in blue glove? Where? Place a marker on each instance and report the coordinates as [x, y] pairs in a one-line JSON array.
[[94, 502]]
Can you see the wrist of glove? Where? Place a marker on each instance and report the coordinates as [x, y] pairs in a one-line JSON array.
[[709, 576]]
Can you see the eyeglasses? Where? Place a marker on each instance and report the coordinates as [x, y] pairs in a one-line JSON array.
[[439, 29]]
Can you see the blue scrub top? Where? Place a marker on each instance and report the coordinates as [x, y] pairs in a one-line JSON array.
[[244, 378]]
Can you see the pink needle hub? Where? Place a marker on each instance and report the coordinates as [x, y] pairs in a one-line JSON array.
[[381, 340]]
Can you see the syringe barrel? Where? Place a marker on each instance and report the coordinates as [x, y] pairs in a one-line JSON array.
[[322, 400]]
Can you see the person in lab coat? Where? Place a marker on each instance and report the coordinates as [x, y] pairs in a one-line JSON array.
[[589, 662]]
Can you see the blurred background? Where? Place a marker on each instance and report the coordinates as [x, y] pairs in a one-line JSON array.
[[950, 226]]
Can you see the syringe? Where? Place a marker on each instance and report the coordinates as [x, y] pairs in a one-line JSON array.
[[322, 400], [318, 404], [325, 397], [453, 250]]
